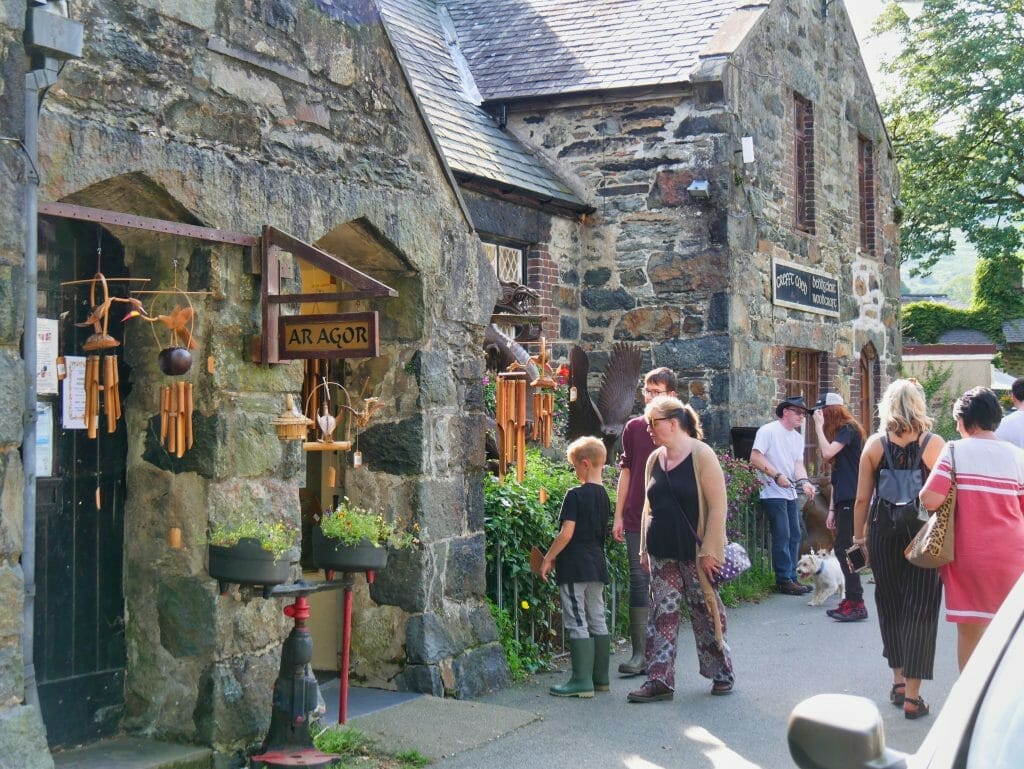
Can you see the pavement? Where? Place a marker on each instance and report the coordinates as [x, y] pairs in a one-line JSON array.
[[783, 652]]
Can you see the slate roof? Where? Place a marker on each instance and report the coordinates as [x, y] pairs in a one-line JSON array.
[[1013, 331], [524, 48], [964, 336], [470, 139]]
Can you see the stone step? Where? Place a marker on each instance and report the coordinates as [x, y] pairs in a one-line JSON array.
[[134, 753]]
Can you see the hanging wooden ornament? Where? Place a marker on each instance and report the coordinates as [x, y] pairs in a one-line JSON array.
[[511, 418]]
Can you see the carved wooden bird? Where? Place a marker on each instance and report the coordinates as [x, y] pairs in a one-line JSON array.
[[615, 399], [99, 312], [326, 422], [179, 321]]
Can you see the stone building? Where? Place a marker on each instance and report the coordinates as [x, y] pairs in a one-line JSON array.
[[601, 157], [754, 273], [208, 120]]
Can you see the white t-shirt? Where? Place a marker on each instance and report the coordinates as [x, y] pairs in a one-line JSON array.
[[783, 449], [1012, 428]]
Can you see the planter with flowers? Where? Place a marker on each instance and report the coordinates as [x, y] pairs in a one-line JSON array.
[[251, 552], [352, 538]]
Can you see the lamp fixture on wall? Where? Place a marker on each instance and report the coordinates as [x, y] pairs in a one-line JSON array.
[[699, 189]]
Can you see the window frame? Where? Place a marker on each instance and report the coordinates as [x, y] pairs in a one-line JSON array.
[[866, 191], [803, 162]]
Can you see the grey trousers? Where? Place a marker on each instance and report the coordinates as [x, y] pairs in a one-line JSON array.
[[583, 609]]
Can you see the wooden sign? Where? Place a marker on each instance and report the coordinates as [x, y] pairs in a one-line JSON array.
[[347, 335], [803, 288]]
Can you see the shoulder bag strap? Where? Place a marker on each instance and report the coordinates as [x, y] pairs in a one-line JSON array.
[[952, 463], [887, 453]]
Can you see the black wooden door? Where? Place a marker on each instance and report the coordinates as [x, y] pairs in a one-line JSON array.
[[79, 610]]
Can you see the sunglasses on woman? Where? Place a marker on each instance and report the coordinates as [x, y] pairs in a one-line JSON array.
[[651, 421]]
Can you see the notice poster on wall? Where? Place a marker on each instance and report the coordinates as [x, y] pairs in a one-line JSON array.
[[44, 439], [46, 356], [73, 400]]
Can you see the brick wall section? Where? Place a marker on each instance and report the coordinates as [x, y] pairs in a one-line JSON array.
[[542, 276]]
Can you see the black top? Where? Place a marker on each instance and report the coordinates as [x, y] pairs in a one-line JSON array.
[[846, 465], [583, 559], [672, 495]]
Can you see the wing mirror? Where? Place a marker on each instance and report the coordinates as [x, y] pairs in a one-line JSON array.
[[839, 731]]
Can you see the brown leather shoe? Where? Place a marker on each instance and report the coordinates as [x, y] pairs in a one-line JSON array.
[[651, 691], [789, 587]]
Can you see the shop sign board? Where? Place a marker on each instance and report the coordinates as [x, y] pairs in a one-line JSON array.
[[345, 335], [802, 288]]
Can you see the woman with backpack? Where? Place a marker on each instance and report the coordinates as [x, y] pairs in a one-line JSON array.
[[893, 467]]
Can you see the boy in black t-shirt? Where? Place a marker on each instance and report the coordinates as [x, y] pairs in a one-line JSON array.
[[577, 555]]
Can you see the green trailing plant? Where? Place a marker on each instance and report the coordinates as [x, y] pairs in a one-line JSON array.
[[274, 536], [935, 383], [743, 495], [516, 521], [352, 525]]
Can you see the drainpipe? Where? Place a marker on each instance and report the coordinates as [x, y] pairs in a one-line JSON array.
[[49, 38]]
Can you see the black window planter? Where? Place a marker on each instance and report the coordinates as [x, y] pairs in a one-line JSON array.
[[247, 563], [333, 555]]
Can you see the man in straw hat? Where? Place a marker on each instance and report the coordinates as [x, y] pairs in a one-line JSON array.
[[778, 453]]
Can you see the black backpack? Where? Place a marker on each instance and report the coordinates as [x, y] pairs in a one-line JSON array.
[[896, 506]]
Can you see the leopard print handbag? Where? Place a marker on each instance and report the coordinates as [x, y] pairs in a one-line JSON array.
[[932, 546]]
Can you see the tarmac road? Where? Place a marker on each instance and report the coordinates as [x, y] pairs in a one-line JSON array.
[[783, 652]]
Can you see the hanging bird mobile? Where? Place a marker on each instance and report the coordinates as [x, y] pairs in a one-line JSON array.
[[175, 359]]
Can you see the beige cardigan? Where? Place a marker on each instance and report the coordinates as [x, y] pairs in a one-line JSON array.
[[712, 505]]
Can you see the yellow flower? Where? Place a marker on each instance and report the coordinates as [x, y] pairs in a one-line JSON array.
[[525, 604]]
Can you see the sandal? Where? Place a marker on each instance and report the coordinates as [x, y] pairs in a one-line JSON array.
[[896, 694], [920, 709], [719, 688]]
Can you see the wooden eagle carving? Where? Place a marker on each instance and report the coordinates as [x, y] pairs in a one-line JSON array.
[[615, 399]]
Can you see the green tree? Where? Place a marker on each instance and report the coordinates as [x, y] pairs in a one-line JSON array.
[[957, 124]]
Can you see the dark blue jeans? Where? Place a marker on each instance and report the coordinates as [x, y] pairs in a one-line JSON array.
[[784, 520]]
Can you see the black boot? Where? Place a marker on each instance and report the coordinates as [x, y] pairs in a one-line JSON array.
[[637, 664]]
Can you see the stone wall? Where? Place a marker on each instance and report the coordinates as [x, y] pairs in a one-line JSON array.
[[653, 261], [22, 737], [790, 51], [235, 114], [689, 280]]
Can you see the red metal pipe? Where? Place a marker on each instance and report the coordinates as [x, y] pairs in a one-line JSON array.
[[346, 643]]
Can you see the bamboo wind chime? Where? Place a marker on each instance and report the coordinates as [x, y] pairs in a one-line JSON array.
[[543, 416], [176, 407], [510, 409], [103, 367]]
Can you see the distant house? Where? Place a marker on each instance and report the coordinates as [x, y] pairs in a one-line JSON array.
[[967, 353], [1013, 350]]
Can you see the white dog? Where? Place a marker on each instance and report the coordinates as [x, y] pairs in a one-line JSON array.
[[823, 566]]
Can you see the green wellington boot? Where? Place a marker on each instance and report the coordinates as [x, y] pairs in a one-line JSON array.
[[602, 651], [637, 664], [581, 684]]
